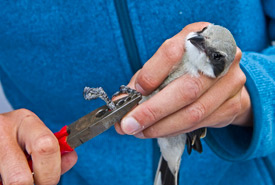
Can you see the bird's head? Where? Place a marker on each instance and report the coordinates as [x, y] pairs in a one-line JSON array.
[[219, 46]]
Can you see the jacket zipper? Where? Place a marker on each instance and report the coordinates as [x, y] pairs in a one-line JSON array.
[[128, 34], [133, 56]]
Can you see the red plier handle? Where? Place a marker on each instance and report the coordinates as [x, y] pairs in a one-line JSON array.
[[62, 139]]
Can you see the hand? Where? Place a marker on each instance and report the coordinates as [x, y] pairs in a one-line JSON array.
[[188, 103], [20, 131]]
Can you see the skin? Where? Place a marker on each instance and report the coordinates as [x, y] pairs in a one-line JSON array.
[[188, 103], [21, 130]]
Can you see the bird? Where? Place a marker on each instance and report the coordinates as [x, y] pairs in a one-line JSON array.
[[209, 52]]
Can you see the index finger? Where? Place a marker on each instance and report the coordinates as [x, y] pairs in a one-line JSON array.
[[158, 67], [43, 147]]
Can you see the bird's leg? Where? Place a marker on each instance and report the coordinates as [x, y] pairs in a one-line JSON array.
[[126, 90], [93, 93]]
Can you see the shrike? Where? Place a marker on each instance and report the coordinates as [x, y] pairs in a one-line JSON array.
[[210, 52]]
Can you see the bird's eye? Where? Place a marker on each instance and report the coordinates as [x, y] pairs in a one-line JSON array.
[[217, 56]]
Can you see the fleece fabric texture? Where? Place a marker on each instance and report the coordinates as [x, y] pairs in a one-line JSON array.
[[50, 50]]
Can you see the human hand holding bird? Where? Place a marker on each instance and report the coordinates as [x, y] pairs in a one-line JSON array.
[[183, 100]]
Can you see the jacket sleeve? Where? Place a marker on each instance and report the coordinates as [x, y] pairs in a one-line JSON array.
[[242, 143], [236, 143]]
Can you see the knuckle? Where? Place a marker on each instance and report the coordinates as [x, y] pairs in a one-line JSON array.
[[151, 132], [150, 113], [147, 81], [46, 145], [50, 180], [15, 117], [238, 54], [24, 112], [235, 106], [16, 178], [196, 113], [242, 78], [172, 50], [190, 89], [239, 78]]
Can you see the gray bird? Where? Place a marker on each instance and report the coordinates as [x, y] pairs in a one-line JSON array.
[[210, 52]]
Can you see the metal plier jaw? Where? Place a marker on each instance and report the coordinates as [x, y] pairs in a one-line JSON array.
[[100, 120]]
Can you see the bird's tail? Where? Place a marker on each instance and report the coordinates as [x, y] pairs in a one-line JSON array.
[[164, 176]]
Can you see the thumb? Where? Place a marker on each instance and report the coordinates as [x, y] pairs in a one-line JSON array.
[[68, 160]]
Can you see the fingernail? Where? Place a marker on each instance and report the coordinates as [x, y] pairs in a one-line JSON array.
[[130, 125], [140, 89], [140, 135]]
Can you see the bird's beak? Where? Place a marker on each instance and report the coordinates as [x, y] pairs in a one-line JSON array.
[[198, 41]]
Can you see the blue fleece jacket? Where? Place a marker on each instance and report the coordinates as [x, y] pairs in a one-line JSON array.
[[50, 50]]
